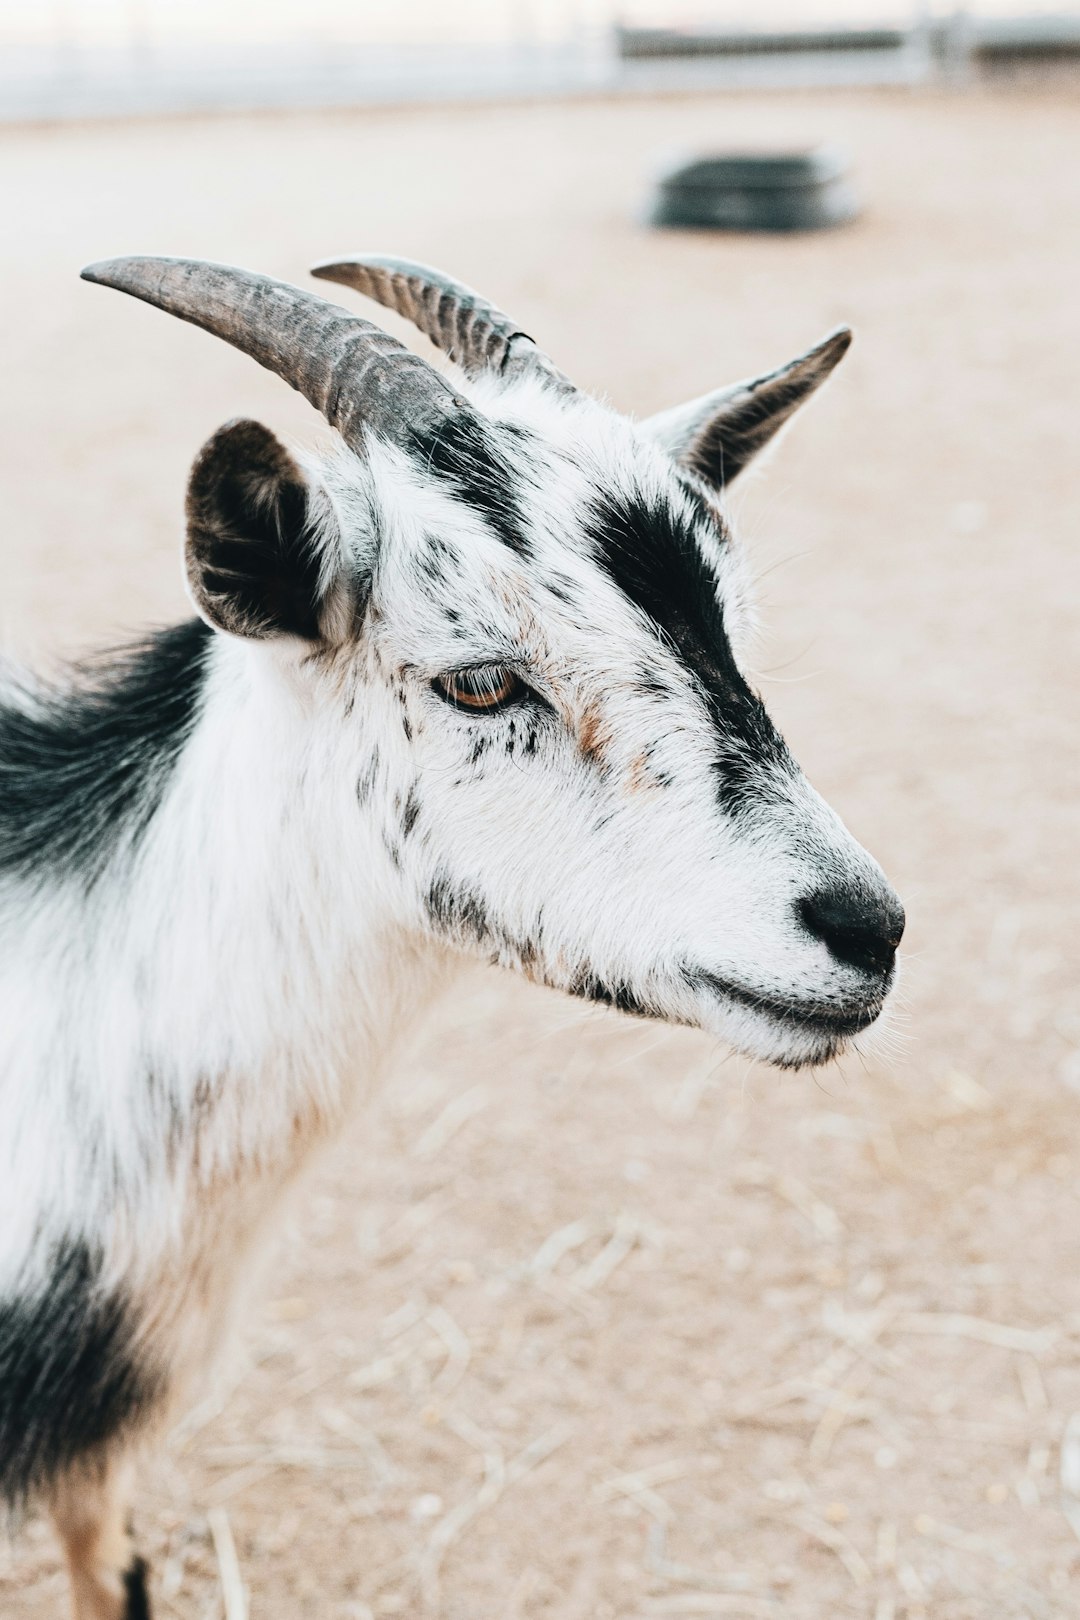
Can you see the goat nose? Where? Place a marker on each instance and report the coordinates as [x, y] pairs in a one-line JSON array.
[[860, 927]]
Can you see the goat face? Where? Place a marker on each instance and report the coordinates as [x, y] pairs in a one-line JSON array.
[[524, 625]]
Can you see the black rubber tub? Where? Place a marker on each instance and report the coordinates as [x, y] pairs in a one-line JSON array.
[[755, 191]]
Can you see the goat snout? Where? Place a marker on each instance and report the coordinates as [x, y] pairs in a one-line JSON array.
[[860, 928]]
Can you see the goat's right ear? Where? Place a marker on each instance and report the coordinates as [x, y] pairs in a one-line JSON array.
[[261, 538]]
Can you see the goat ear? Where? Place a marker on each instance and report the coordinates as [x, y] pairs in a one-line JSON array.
[[718, 435], [257, 535]]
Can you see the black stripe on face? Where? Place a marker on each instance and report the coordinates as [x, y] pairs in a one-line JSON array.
[[475, 466], [70, 1380], [651, 553]]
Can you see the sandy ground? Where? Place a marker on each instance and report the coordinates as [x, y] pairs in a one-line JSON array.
[[587, 1321]]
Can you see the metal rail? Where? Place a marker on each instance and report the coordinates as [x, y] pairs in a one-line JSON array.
[[108, 58]]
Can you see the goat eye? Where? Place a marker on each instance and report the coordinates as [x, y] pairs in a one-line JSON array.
[[490, 686]]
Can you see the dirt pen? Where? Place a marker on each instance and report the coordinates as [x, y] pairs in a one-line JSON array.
[[587, 1321]]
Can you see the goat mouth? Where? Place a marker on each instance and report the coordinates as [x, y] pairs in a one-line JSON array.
[[833, 1023]]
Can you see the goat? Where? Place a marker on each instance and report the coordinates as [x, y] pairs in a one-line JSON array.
[[468, 684]]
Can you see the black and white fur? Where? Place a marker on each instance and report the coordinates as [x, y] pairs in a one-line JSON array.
[[236, 861]]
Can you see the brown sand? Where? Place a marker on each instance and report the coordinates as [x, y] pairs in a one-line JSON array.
[[586, 1320]]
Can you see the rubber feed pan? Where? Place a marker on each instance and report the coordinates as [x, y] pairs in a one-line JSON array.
[[755, 191]]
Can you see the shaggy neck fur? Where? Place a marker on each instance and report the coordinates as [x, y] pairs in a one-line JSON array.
[[198, 1023]]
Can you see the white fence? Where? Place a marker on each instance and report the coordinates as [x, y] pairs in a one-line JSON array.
[[85, 58]]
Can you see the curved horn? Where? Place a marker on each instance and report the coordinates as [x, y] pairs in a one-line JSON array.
[[357, 375], [456, 319]]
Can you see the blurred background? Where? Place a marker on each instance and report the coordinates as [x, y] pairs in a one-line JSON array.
[[588, 1320], [68, 58]]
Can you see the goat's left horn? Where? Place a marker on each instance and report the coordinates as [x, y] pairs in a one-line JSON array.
[[356, 374], [473, 332]]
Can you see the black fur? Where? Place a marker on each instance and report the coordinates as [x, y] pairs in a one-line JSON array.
[[252, 559], [652, 555], [70, 1378], [83, 771], [480, 474], [410, 812], [136, 1596], [464, 917], [590, 988], [458, 913], [365, 785]]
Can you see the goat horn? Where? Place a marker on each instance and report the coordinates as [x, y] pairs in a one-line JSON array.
[[465, 326], [357, 375]]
